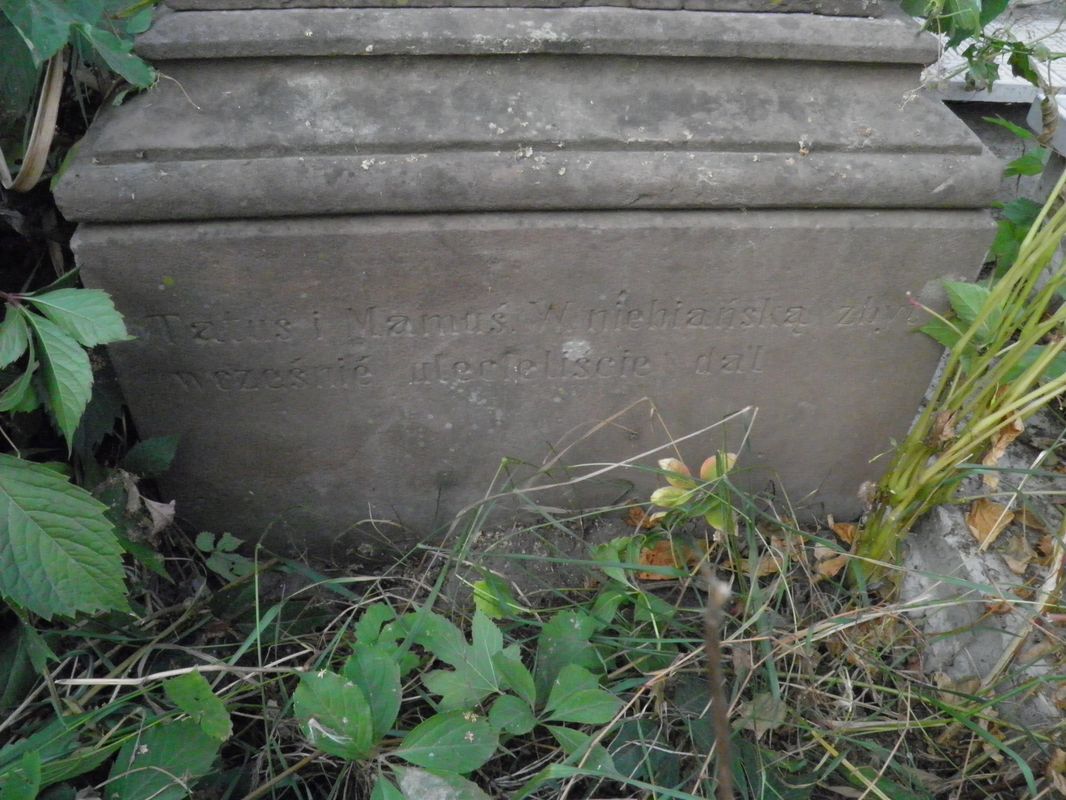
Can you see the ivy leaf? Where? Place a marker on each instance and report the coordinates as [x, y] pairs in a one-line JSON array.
[[14, 336], [375, 670], [577, 697], [334, 714], [14, 397], [512, 715], [455, 741], [192, 694], [68, 378], [150, 458], [44, 26], [421, 784], [162, 762], [88, 315], [58, 554]]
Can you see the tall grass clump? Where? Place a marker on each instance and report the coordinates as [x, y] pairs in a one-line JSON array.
[[1005, 363]]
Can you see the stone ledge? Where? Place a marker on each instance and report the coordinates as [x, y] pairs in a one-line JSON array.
[[457, 181], [500, 31]]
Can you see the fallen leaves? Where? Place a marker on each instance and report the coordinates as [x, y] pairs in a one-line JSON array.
[[986, 520], [1007, 434], [663, 553]]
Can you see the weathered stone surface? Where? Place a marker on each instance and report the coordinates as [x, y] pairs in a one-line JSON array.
[[594, 250], [337, 370], [845, 8]]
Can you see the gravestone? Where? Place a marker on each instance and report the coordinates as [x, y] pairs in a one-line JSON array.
[[369, 252]]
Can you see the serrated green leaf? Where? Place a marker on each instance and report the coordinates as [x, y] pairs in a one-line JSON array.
[[334, 714], [25, 781], [1056, 369], [515, 676], [512, 715], [88, 315], [457, 688], [576, 697], [162, 763], [1022, 211], [150, 458], [192, 694], [374, 669], [68, 377], [15, 394], [1017, 130], [487, 642], [966, 299], [494, 599], [437, 635], [384, 789], [1031, 163], [44, 25], [14, 336], [58, 554], [455, 741], [422, 784], [564, 640]]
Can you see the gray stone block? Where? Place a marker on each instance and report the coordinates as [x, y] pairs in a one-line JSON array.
[[370, 252]]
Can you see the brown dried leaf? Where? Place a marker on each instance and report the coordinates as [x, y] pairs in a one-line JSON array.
[[943, 430], [1031, 520], [847, 531], [1056, 771], [661, 554], [161, 514], [831, 566], [987, 520], [769, 564], [1046, 546], [1007, 434], [999, 608], [1018, 555], [637, 517]]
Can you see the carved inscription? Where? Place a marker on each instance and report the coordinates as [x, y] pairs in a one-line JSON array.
[[540, 340]]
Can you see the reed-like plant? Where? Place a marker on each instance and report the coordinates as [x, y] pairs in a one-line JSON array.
[[1006, 362]]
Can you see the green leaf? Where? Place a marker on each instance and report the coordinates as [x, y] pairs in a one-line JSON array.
[[150, 458], [117, 54], [19, 390], [162, 762], [1022, 211], [512, 715], [1056, 369], [1017, 130], [967, 300], [576, 697], [14, 336], [576, 743], [192, 694], [68, 378], [25, 781], [458, 689], [563, 640], [437, 635], [421, 784], [384, 789], [1032, 163], [494, 599], [334, 714], [487, 642], [88, 315], [44, 25], [16, 669], [368, 628], [990, 9], [455, 741], [18, 74], [515, 676], [58, 554], [942, 332], [375, 670]]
